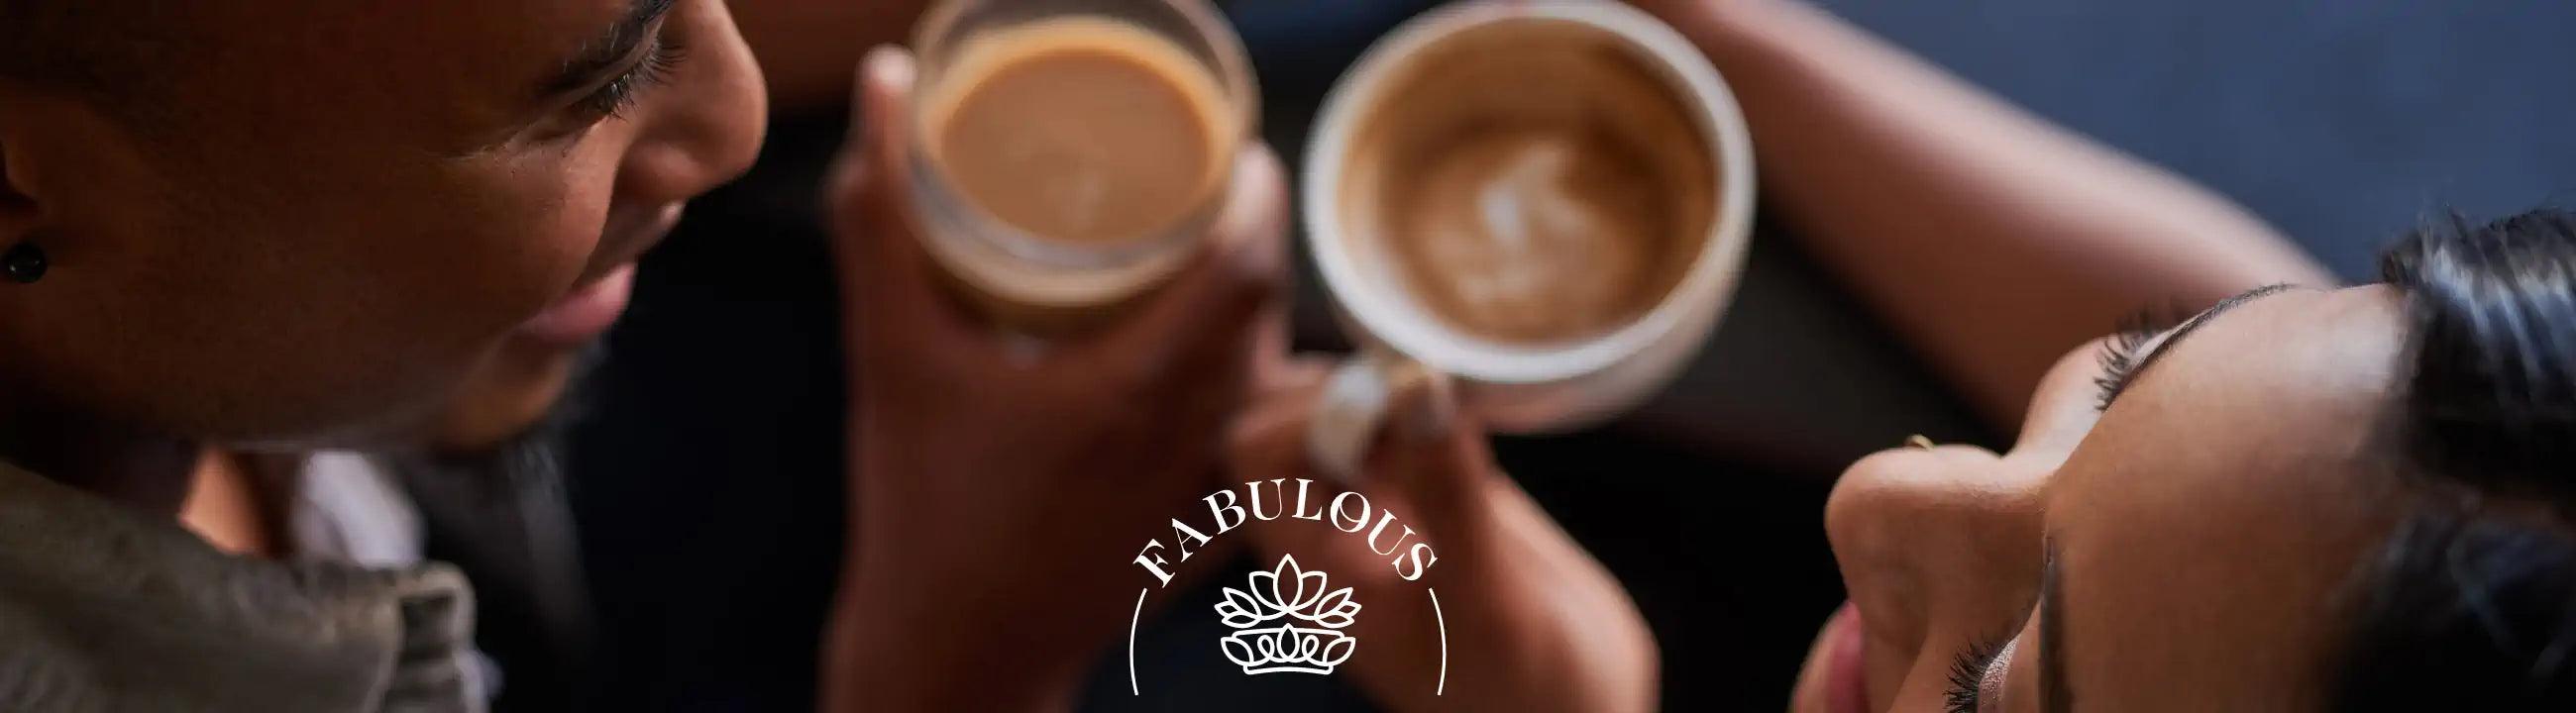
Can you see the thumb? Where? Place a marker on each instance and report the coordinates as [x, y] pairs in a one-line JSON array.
[[1268, 443], [1434, 452], [887, 283], [1429, 461]]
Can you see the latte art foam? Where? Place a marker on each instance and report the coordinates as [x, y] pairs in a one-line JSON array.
[[1531, 183], [1531, 234]]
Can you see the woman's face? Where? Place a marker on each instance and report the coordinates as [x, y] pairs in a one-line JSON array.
[[2186, 549], [328, 218]]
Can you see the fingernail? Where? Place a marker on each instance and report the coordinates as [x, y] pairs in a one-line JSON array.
[[887, 73], [887, 64]]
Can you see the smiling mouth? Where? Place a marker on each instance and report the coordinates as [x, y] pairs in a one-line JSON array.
[[594, 305], [586, 313]]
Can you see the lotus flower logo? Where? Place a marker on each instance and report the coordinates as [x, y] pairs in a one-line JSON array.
[[1292, 596]]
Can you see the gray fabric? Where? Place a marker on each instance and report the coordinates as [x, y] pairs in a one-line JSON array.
[[504, 517], [104, 610]]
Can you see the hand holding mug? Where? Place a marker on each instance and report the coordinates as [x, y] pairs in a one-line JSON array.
[[1528, 215], [1533, 623], [1547, 201], [998, 486]]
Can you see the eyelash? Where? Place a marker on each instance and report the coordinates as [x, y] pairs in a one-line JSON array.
[[620, 94], [1967, 672], [2119, 356]]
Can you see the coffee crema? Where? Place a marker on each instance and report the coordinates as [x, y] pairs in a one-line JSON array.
[[1530, 184], [1081, 130]]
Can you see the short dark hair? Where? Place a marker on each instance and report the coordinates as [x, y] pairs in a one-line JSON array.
[[2471, 603]]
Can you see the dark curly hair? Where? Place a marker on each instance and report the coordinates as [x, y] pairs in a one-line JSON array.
[[2471, 603]]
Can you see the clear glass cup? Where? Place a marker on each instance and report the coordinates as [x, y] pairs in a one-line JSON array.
[[1044, 284]]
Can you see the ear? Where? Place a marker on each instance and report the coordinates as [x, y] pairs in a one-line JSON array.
[[60, 158], [17, 208], [33, 143]]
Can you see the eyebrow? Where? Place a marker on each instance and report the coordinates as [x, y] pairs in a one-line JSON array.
[[2194, 324], [608, 50], [2054, 695]]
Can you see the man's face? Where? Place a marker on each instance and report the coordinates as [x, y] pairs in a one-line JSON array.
[[337, 215]]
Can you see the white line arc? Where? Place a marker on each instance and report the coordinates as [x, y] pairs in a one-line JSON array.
[[1436, 618], [1140, 614]]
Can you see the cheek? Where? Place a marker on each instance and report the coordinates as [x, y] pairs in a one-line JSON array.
[[537, 224], [322, 282], [482, 245]]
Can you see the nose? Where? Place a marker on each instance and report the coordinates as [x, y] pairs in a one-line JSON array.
[[707, 127], [1940, 551], [1940, 547], [1920, 530]]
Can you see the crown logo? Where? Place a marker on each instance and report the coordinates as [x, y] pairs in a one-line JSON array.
[[1290, 596]]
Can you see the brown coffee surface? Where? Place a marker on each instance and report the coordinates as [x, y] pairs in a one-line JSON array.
[[1531, 234], [1532, 184], [1081, 130]]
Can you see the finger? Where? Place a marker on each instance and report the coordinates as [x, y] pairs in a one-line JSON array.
[[863, 218], [1269, 443], [1241, 269], [1273, 365], [1433, 451], [1205, 365], [887, 279], [1268, 440], [1278, 374], [1200, 395], [1426, 447]]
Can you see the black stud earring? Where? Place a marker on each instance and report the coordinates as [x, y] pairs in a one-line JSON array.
[[24, 263]]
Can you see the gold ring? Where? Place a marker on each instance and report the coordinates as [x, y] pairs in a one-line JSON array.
[[1918, 441]]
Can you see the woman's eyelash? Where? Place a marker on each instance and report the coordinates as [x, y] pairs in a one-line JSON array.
[[2119, 356], [620, 94], [1967, 673]]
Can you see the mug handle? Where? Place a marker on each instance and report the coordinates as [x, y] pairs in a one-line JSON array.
[[1354, 408]]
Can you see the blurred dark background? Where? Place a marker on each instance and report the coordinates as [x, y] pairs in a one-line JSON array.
[[707, 475]]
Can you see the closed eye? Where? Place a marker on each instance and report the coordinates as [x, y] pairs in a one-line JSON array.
[[2119, 354], [620, 93], [610, 71], [2126, 357]]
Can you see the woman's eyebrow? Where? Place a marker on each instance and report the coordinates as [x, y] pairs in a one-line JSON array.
[[2203, 319], [608, 50]]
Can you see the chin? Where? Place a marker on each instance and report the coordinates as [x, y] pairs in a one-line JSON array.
[[509, 393]]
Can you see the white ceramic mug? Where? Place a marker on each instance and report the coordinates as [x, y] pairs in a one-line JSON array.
[[1514, 388]]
